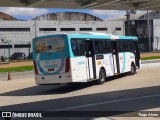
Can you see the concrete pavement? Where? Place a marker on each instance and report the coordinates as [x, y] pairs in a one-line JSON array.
[[24, 91], [138, 92], [30, 74]]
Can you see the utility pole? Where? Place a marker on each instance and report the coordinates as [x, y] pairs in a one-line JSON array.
[[128, 14], [149, 31], [35, 27], [128, 22]]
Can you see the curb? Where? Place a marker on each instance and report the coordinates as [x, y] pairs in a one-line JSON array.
[[17, 71], [150, 61]]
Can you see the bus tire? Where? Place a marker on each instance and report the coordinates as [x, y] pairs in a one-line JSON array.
[[102, 76], [133, 69]]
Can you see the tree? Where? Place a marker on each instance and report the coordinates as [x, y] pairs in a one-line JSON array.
[[5, 41]]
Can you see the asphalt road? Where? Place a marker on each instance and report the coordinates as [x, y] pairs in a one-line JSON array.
[[121, 95]]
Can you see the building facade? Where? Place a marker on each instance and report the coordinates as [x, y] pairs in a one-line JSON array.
[[68, 16], [21, 33]]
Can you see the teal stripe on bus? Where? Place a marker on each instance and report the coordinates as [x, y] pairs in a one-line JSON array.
[[124, 62]]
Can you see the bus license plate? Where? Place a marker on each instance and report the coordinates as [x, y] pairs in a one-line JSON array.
[[51, 69]]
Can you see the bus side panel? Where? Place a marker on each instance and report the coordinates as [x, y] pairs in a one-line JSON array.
[[115, 64], [125, 59], [123, 62], [106, 62], [79, 71]]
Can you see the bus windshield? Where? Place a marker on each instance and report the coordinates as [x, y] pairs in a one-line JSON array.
[[50, 44]]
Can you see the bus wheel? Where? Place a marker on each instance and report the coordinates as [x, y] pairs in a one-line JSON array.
[[133, 69], [102, 76]]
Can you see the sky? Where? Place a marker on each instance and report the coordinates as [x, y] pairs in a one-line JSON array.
[[29, 13]]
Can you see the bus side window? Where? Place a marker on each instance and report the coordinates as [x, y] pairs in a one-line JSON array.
[[120, 45], [101, 47], [74, 46], [80, 47], [96, 42], [126, 45]]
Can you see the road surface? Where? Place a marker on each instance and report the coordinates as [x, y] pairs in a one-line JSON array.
[[123, 93]]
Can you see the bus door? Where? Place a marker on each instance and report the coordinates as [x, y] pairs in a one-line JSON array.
[[115, 57], [137, 54], [89, 53]]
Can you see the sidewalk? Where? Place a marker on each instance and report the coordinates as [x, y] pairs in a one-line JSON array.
[[17, 75], [150, 61], [152, 64]]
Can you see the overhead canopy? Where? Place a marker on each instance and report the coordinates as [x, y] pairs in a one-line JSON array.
[[82, 4]]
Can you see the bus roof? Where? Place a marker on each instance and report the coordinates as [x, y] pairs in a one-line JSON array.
[[93, 35], [102, 35]]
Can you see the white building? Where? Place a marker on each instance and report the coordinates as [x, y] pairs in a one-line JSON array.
[[21, 33]]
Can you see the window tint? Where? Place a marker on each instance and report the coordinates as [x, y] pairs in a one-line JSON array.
[[133, 46], [120, 45], [130, 46], [126, 46], [98, 44], [102, 46], [108, 47], [78, 47], [74, 46], [123, 45]]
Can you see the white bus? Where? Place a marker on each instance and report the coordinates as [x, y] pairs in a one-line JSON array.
[[66, 58]]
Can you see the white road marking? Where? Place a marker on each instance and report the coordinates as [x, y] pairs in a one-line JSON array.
[[102, 118], [105, 102]]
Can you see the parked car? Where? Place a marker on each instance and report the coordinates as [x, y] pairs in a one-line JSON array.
[[18, 56]]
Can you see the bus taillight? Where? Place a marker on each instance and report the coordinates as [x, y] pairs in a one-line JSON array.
[[35, 68], [67, 66]]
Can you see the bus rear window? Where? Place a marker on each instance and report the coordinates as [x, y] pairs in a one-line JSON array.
[[50, 44]]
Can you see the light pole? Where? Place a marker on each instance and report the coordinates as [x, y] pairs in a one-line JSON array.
[[148, 31], [35, 27], [128, 15], [128, 22]]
